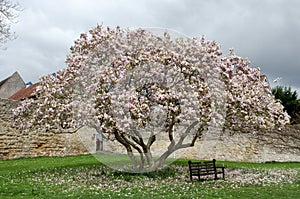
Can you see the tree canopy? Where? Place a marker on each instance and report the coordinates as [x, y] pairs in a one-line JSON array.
[[132, 85]]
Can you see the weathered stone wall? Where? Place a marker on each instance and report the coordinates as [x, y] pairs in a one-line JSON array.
[[275, 146], [16, 144]]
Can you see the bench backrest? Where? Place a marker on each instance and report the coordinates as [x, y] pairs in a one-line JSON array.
[[207, 165]]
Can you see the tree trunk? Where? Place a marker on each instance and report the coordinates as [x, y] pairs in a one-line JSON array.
[[146, 162]]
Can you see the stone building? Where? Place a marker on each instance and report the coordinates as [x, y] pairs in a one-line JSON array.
[[11, 85], [23, 93]]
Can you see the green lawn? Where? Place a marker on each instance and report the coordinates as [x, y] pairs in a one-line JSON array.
[[85, 177]]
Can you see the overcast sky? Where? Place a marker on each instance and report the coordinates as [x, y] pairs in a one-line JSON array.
[[265, 31]]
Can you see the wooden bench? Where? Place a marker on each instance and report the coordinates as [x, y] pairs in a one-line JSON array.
[[205, 169]]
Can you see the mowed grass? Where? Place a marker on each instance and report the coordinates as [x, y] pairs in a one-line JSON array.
[[84, 176]]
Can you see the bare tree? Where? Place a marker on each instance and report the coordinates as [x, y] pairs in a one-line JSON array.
[[8, 15]]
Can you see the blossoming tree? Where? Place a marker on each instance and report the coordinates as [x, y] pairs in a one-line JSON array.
[[131, 85]]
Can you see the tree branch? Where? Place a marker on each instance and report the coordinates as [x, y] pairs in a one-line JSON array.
[[151, 140], [121, 140], [134, 146], [187, 131], [170, 133]]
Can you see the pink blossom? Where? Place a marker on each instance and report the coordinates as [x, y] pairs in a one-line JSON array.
[[115, 78]]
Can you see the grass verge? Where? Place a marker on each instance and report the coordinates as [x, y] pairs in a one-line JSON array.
[[85, 177]]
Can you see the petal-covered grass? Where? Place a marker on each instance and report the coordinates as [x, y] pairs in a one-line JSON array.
[[84, 177]]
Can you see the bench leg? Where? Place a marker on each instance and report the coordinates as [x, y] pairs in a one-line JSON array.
[[223, 173]]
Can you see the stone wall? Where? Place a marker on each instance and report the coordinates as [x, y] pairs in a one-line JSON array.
[[275, 146], [17, 144]]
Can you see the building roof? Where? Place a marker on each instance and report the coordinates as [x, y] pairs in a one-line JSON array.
[[25, 92]]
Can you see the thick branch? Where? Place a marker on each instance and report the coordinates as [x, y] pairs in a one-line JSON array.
[[187, 132], [134, 146], [151, 140], [179, 145], [170, 133], [120, 139], [131, 144], [139, 140], [146, 148]]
